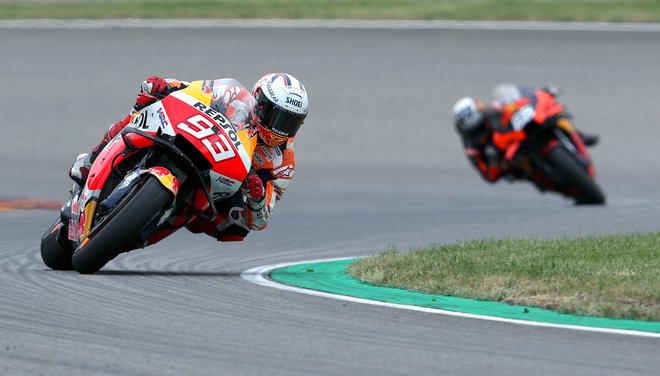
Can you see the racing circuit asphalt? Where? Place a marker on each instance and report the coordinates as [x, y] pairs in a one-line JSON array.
[[379, 165]]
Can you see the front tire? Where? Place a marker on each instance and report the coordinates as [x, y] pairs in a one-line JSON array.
[[55, 253], [564, 163], [116, 232]]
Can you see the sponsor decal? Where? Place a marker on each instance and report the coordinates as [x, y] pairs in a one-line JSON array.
[[81, 224], [207, 86], [285, 172], [71, 233], [128, 179], [266, 153], [166, 215], [163, 119], [230, 93], [75, 205], [140, 121], [258, 159], [269, 87], [293, 102], [223, 180], [166, 178], [279, 132], [157, 171]]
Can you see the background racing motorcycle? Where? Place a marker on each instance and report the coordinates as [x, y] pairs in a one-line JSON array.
[[166, 168], [539, 141]]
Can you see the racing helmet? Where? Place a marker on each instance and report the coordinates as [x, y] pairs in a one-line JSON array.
[[469, 117], [281, 107]]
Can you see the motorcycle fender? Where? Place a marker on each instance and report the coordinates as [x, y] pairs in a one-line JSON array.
[[166, 178]]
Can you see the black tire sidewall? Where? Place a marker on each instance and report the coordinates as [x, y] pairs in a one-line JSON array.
[[566, 165]]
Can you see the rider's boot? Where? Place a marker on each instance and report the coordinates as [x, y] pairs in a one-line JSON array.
[[80, 168], [588, 139]]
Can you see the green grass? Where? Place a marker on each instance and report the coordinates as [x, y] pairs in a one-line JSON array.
[[614, 276], [550, 10]]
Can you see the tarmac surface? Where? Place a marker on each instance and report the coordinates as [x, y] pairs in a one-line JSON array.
[[379, 165]]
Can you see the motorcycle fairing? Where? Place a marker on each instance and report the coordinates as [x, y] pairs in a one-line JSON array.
[[185, 113]]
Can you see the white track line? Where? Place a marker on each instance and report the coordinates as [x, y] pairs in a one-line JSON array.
[[51, 24], [256, 275]]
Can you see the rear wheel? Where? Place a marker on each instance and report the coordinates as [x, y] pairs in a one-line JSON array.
[[564, 164], [55, 253], [117, 231]]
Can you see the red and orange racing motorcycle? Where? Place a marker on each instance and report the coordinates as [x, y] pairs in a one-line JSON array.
[[166, 168], [538, 140]]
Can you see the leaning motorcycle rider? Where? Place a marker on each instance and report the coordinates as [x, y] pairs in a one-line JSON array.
[[476, 123], [274, 110], [473, 121]]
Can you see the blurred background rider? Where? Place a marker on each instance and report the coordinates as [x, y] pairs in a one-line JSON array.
[[475, 122]]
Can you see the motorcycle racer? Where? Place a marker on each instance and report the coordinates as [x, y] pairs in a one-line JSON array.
[[473, 122], [482, 126], [273, 112]]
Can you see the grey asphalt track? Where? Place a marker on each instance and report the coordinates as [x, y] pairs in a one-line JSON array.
[[379, 165]]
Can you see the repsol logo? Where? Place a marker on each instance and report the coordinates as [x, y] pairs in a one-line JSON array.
[[215, 115], [293, 102], [221, 119]]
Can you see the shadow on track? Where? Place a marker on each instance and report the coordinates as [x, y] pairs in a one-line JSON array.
[[157, 273], [167, 273]]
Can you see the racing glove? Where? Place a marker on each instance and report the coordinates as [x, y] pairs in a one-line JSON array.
[[256, 194], [151, 90]]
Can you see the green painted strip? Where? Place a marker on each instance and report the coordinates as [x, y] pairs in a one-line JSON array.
[[332, 277]]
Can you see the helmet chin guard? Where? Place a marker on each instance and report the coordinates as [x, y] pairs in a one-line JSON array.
[[269, 138]]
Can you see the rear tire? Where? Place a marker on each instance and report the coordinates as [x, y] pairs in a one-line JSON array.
[[116, 232], [54, 252], [564, 164]]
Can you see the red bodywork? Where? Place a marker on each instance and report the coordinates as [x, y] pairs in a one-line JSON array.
[[210, 132], [546, 109]]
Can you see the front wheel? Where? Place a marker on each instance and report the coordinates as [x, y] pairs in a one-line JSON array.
[[116, 232], [565, 164], [55, 252]]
